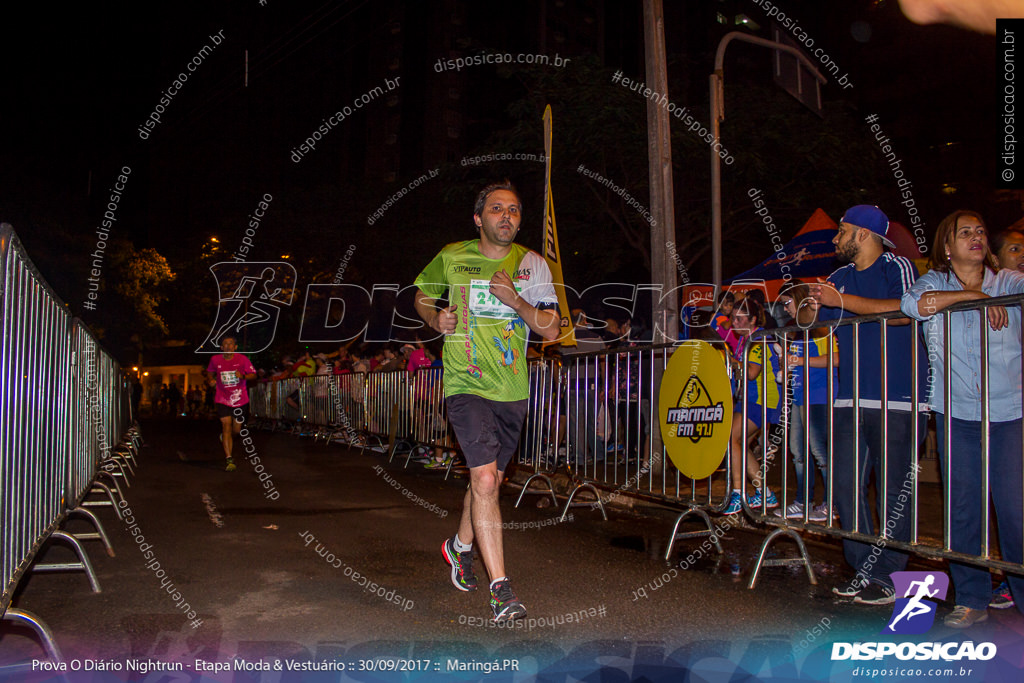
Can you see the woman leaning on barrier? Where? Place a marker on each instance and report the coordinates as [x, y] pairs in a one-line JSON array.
[[963, 268]]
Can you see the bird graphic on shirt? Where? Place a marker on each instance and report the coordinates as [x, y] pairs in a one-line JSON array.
[[509, 355]]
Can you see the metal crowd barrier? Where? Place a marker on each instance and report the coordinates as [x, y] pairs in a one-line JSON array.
[[48, 456], [928, 537], [597, 413], [390, 408]]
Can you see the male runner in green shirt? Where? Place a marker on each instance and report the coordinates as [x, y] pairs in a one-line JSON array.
[[495, 289]]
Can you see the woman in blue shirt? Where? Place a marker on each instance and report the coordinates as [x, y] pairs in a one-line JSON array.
[[963, 268]]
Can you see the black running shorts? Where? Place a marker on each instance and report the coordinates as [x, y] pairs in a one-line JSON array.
[[224, 410], [488, 431]]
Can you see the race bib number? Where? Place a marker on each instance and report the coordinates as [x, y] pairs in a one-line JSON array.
[[229, 378], [485, 304]]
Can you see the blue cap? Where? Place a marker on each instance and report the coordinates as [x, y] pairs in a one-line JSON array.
[[871, 218]]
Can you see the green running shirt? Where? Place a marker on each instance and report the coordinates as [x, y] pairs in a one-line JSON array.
[[486, 355]]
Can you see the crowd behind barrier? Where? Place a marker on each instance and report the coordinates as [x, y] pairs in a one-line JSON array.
[[901, 525], [66, 431], [597, 414], [393, 410]]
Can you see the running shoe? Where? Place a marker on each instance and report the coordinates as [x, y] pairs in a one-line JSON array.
[[851, 589], [964, 617], [463, 577], [438, 464], [876, 594], [819, 513], [504, 603], [792, 511], [230, 466], [735, 504], [754, 501], [1001, 597]]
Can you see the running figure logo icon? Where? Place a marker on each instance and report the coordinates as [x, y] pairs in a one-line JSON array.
[[250, 296], [912, 613]]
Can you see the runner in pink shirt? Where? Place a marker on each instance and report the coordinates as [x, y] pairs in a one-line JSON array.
[[228, 372]]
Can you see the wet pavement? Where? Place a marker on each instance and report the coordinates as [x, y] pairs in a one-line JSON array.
[[331, 558]]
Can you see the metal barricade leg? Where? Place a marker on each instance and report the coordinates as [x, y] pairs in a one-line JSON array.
[[83, 563], [542, 477], [108, 466], [596, 503], [803, 559], [99, 487], [42, 630], [98, 535], [692, 534], [113, 480]]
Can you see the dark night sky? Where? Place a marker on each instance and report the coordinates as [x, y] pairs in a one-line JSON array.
[[78, 80]]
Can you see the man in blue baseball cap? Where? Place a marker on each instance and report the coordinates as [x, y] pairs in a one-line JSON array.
[[872, 281]]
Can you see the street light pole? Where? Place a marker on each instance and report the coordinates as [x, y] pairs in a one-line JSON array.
[[664, 298], [717, 83]]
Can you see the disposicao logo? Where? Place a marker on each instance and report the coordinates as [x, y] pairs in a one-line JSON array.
[[913, 613]]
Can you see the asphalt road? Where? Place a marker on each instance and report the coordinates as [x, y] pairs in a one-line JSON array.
[[279, 580]]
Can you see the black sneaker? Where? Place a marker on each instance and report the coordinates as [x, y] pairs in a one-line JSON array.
[[876, 594], [1001, 597], [463, 577], [851, 589], [504, 603]]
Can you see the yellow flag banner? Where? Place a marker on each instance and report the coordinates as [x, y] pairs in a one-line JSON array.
[[551, 253]]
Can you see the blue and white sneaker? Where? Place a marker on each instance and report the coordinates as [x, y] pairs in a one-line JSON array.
[[735, 504], [754, 501]]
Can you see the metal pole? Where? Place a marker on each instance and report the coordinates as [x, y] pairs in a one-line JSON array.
[[717, 116], [664, 300]]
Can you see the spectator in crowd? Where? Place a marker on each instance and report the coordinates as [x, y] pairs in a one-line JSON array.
[[136, 397], [1008, 246], [388, 360], [873, 281], [360, 362], [758, 295], [809, 428], [582, 390], [305, 366], [342, 362], [726, 302], [761, 395], [173, 400], [195, 401], [963, 268], [721, 323]]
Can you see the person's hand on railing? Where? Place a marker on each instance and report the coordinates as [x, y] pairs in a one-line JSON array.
[[823, 294], [998, 318]]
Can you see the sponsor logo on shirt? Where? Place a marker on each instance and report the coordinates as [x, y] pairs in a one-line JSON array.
[[522, 274], [472, 270]]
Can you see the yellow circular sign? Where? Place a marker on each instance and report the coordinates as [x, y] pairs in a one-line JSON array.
[[695, 409]]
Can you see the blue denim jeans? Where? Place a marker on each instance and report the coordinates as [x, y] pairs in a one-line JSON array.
[[873, 561], [819, 446], [973, 584]]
